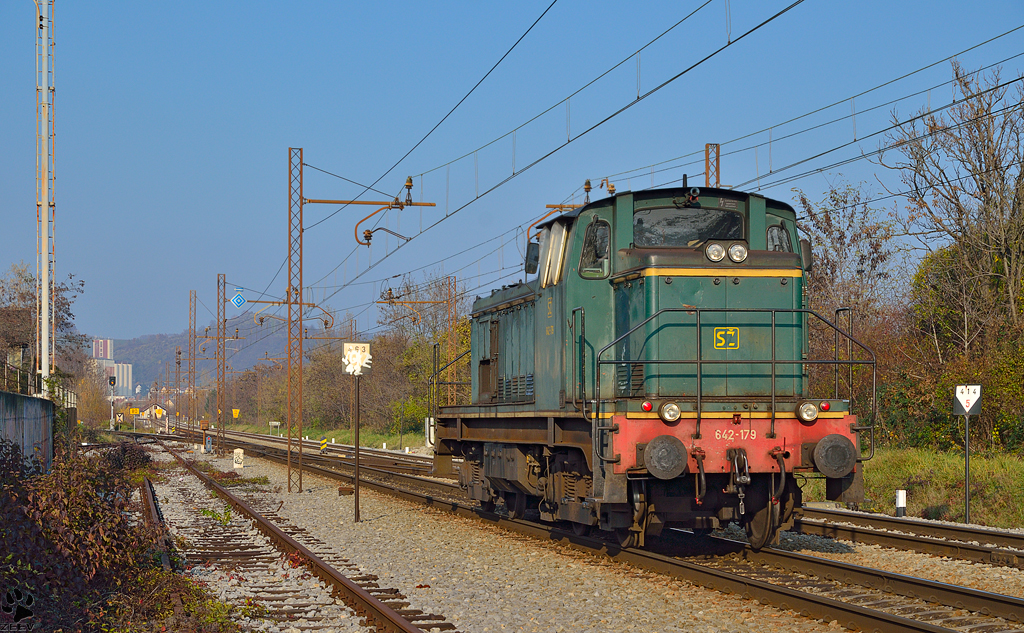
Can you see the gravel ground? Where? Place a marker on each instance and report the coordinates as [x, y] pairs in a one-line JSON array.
[[272, 583], [483, 579]]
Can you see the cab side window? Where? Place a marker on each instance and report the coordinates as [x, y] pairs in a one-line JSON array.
[[594, 263], [778, 239]]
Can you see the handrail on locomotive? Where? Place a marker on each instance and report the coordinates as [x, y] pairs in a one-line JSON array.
[[433, 384], [579, 386]]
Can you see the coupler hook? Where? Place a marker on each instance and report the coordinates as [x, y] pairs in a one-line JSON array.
[[740, 474]]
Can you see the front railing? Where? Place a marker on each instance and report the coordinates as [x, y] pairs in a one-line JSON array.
[[18, 380], [435, 382], [28, 383], [579, 384]]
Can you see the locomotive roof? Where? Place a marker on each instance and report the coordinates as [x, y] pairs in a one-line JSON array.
[[666, 192]]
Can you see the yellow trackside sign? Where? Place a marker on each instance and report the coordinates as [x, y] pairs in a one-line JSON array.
[[133, 411], [234, 412], [727, 338]]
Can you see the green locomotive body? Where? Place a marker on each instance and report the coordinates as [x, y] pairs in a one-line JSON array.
[[654, 373]]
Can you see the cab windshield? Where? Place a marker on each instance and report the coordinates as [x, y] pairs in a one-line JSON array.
[[686, 227]]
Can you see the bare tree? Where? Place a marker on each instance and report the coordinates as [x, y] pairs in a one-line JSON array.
[[853, 269], [963, 172], [853, 250]]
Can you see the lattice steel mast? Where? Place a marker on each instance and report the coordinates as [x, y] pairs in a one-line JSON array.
[[293, 297], [191, 360], [221, 335]]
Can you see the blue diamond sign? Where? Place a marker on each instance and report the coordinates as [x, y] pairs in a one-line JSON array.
[[238, 300]]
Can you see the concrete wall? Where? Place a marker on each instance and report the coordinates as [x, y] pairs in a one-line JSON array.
[[28, 421]]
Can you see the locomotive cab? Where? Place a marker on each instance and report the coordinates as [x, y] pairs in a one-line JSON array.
[[655, 373]]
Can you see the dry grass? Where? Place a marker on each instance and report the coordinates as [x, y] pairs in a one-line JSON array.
[[346, 436], [934, 482]]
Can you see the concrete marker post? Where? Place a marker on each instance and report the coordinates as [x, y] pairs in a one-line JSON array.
[[901, 503]]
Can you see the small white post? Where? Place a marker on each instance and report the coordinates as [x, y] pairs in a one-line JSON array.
[[385, 446], [332, 440], [901, 503]]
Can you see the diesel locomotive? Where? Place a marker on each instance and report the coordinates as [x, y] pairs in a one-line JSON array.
[[653, 372]]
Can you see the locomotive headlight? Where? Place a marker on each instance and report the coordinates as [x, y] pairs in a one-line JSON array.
[[715, 252], [807, 411], [669, 412], [737, 253]]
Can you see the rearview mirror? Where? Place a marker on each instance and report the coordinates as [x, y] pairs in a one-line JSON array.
[[806, 254], [532, 257]]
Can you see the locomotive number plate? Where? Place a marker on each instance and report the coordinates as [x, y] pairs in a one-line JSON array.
[[727, 338]]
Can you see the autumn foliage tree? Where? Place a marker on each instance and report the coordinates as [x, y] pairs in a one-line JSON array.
[[963, 182]]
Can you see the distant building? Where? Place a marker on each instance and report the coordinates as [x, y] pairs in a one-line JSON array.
[[103, 356], [123, 374], [103, 348]]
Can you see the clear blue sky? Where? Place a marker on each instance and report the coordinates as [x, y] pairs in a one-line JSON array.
[[174, 121]]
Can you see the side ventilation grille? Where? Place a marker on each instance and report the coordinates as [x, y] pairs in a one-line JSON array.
[[629, 380], [515, 388]]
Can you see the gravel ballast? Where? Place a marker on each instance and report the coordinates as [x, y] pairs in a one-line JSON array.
[[484, 579], [269, 581]]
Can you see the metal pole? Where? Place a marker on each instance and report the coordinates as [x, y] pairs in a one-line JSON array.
[[355, 484], [221, 352], [401, 428], [43, 206], [294, 299], [967, 469]]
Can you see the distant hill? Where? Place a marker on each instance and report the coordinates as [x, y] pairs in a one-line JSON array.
[[148, 353]]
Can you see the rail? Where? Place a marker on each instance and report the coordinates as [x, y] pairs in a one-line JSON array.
[[377, 614], [701, 362]]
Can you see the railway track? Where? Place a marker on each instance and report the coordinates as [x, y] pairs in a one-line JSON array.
[[278, 573], [860, 598], [962, 542], [397, 462]]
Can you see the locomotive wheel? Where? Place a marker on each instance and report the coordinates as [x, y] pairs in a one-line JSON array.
[[763, 525], [581, 529], [627, 537], [515, 504], [487, 506]]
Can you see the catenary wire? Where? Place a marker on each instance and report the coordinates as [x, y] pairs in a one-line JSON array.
[[445, 117], [575, 138]]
